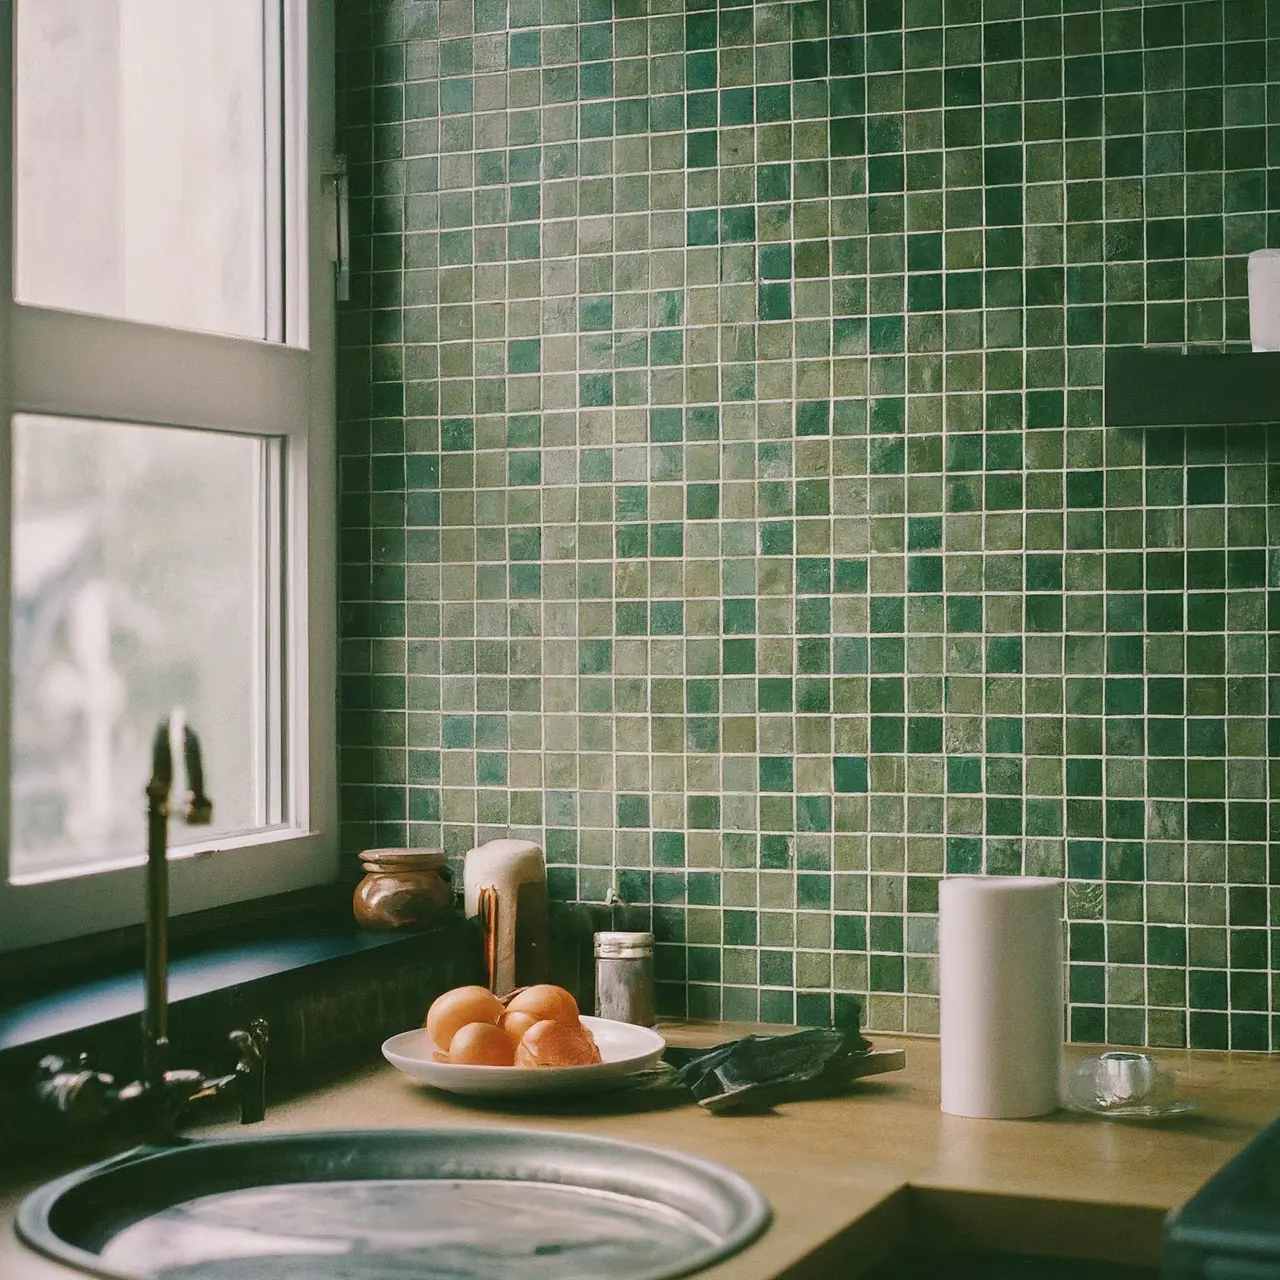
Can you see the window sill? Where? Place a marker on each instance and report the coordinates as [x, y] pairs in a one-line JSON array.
[[82, 1006], [329, 992]]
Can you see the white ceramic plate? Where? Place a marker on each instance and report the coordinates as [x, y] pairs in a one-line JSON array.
[[624, 1050]]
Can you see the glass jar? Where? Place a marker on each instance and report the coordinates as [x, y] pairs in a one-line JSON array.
[[403, 889], [624, 977]]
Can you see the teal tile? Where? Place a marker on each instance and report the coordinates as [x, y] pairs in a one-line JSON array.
[[524, 356], [774, 302], [850, 773], [776, 773], [633, 811], [668, 849], [703, 812], [702, 501], [867, 508]]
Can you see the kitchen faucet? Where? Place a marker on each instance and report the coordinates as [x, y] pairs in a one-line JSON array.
[[162, 1093]]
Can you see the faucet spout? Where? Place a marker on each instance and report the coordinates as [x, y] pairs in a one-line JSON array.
[[199, 810]]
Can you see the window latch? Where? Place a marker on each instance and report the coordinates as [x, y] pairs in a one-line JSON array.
[[342, 229]]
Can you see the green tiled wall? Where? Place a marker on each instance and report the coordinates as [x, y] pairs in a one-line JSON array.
[[725, 497]]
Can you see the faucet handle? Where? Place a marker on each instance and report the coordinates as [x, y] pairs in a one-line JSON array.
[[77, 1091], [252, 1043], [251, 1069], [199, 806]]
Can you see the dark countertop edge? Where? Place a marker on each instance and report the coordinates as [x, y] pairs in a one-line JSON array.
[[93, 1002]]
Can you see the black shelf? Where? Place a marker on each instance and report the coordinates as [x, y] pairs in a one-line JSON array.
[[1154, 387]]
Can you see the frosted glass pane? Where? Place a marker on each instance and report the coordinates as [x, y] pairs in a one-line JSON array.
[[142, 160], [138, 585]]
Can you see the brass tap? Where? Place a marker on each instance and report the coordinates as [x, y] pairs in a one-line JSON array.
[[162, 1094]]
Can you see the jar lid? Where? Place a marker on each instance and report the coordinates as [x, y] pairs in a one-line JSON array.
[[614, 945], [404, 859]]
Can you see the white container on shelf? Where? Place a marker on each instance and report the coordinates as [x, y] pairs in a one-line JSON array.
[[1264, 299]]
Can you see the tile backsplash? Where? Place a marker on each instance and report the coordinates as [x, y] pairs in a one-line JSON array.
[[726, 502]]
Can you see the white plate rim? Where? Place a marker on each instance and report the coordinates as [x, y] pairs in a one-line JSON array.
[[530, 1081]]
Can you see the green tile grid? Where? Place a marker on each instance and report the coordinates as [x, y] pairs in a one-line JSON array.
[[725, 502]]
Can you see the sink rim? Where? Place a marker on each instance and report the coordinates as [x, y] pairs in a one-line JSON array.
[[584, 1156]]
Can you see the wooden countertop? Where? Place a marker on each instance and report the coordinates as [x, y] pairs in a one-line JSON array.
[[853, 1178]]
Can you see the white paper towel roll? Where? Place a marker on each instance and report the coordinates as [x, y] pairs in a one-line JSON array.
[[1264, 299], [1000, 995]]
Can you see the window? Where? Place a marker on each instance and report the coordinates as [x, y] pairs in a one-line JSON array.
[[166, 394]]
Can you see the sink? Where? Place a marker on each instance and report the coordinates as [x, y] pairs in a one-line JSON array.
[[465, 1203]]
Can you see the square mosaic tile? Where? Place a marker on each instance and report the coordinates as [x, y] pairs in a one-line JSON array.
[[725, 500]]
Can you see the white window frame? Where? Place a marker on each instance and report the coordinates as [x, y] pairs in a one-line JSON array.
[[84, 366]]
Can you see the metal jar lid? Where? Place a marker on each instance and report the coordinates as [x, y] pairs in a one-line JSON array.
[[623, 946]]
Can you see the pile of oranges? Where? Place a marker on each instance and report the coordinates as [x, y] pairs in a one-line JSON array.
[[536, 1027]]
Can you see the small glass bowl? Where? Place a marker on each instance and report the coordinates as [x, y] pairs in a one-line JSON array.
[[1126, 1086]]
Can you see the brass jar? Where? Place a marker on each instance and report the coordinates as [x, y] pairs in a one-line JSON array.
[[403, 889]]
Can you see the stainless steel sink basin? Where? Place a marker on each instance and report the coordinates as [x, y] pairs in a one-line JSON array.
[[390, 1204]]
